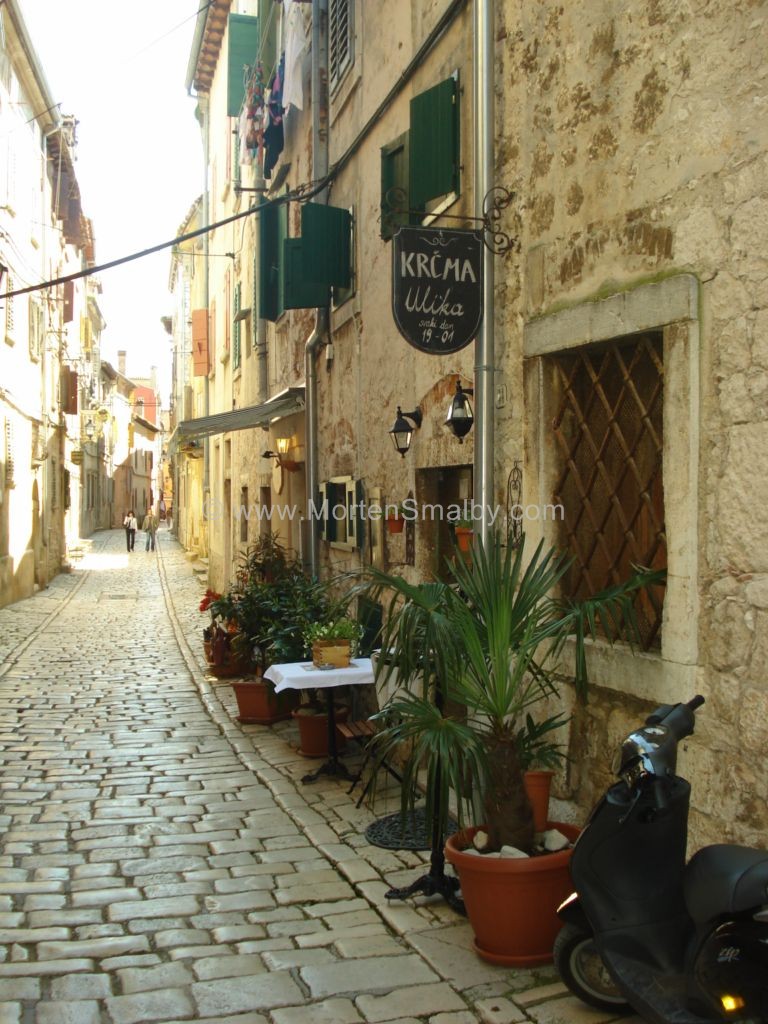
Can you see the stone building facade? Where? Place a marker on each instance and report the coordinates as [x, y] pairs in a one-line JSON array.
[[628, 320]]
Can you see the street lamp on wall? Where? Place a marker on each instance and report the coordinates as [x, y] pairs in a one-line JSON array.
[[460, 416], [402, 431]]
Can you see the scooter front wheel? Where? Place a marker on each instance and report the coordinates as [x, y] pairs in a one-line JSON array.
[[582, 970]]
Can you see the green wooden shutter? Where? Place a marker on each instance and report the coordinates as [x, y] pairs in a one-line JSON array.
[[434, 157], [236, 328], [273, 228], [395, 185], [326, 233], [243, 36], [298, 291]]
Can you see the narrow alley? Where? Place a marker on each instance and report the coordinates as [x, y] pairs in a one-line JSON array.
[[162, 863]]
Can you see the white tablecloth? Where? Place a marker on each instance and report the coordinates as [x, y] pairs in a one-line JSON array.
[[303, 675]]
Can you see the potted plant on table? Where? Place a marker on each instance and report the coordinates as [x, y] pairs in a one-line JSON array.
[[333, 644], [489, 640]]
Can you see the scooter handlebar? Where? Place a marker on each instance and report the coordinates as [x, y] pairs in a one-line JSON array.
[[695, 702]]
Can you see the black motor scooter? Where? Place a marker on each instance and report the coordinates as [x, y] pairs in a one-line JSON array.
[[676, 942]]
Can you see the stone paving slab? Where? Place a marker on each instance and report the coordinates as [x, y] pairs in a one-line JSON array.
[[163, 863]]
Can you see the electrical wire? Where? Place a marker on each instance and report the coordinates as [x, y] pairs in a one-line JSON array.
[[301, 194]]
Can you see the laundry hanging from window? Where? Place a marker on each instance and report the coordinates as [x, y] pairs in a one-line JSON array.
[[273, 133]]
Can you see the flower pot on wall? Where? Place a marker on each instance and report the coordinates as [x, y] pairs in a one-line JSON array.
[[313, 729], [512, 902], [463, 537], [538, 783], [258, 703], [395, 524]]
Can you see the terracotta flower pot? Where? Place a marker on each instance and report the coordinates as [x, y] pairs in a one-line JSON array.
[[463, 537], [538, 782], [313, 730], [258, 703], [512, 903], [395, 525]]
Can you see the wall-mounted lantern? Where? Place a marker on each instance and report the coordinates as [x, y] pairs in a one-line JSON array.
[[460, 416], [402, 431]]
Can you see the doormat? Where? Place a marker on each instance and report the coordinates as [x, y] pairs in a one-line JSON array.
[[413, 833]]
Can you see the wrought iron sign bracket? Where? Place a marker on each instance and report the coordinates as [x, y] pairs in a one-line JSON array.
[[494, 203]]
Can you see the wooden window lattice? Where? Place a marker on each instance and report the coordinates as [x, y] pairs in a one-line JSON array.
[[609, 431], [339, 39]]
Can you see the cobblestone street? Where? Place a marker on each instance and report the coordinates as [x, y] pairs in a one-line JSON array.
[[163, 863]]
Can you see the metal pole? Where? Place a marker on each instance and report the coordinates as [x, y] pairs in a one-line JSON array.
[[484, 344], [318, 336]]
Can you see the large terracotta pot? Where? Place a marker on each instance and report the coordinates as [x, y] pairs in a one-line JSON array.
[[512, 903], [538, 782], [258, 703], [313, 730]]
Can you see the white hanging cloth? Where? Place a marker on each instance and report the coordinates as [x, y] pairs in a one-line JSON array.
[[297, 21]]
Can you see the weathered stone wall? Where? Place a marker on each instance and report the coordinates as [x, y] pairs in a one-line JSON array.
[[635, 136]]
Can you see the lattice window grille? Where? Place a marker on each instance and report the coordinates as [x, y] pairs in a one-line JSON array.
[[609, 431]]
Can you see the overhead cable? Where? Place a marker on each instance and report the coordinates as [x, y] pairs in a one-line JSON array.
[[301, 194]]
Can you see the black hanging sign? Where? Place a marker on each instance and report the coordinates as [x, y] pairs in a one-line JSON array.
[[437, 287]]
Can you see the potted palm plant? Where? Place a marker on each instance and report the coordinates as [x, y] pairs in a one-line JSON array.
[[490, 641]]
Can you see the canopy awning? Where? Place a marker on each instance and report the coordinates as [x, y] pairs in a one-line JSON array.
[[283, 404]]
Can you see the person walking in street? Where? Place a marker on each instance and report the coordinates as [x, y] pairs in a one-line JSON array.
[[131, 526], [149, 526]]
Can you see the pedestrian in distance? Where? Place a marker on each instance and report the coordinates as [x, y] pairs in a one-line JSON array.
[[149, 526], [131, 526]]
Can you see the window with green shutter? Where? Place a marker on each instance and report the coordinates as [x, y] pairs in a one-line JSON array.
[[236, 327], [299, 292], [326, 232], [434, 155], [395, 198], [273, 230], [242, 53]]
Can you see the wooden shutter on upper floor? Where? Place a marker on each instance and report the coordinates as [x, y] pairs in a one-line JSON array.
[[434, 155], [326, 234], [243, 49], [273, 229], [69, 301], [298, 291], [200, 354], [68, 391], [395, 196]]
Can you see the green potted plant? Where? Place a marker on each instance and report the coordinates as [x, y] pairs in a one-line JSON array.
[[463, 530], [273, 601], [333, 642], [489, 640]]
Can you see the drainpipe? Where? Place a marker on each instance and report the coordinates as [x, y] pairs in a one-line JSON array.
[[205, 119], [259, 323], [318, 337], [484, 343]]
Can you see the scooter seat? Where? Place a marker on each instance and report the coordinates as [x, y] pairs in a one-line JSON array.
[[725, 879]]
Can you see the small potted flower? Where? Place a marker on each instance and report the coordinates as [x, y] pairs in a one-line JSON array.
[[395, 518], [209, 631], [463, 530], [333, 642]]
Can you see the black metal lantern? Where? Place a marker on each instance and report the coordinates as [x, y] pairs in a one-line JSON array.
[[402, 432], [460, 416]]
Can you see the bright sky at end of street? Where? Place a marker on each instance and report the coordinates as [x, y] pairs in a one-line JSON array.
[[120, 69]]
